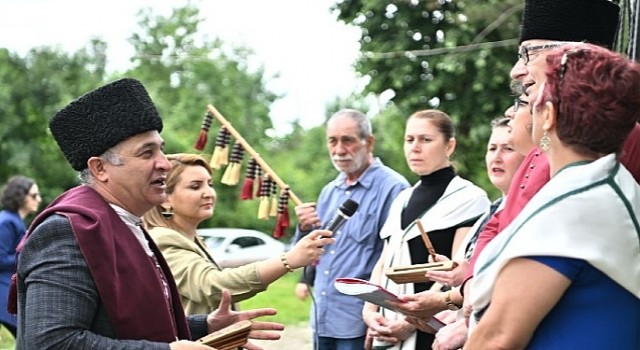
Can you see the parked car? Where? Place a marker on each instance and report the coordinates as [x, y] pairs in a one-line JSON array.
[[233, 247]]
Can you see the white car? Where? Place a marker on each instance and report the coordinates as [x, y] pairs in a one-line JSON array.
[[233, 247]]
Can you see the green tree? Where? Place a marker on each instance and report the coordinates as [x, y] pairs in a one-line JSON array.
[[34, 88], [445, 54], [185, 72]]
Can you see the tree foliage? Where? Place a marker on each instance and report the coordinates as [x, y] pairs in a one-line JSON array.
[[185, 72], [421, 53], [34, 88], [182, 71], [445, 54]]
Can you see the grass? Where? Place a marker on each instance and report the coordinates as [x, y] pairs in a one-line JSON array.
[[280, 295], [6, 340]]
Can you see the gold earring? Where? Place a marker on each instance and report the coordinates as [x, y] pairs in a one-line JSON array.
[[545, 142], [167, 213]]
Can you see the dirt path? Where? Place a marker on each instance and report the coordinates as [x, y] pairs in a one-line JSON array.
[[294, 337]]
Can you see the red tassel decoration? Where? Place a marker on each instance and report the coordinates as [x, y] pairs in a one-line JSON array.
[[283, 221], [204, 131], [249, 177]]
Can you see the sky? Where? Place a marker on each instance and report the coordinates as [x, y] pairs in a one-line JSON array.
[[297, 39]]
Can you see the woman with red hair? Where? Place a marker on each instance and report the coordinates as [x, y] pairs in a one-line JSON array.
[[565, 274]]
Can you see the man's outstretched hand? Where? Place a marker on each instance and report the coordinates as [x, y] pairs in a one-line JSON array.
[[224, 316]]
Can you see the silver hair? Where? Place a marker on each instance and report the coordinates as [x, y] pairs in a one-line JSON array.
[[363, 123], [110, 156]]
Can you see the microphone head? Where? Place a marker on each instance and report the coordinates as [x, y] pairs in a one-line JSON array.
[[349, 207]]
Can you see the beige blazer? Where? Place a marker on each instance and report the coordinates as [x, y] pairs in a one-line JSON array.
[[198, 277]]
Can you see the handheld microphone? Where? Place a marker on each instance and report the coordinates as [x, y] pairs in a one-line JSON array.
[[344, 213]]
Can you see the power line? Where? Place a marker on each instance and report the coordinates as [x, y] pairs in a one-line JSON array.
[[441, 50]]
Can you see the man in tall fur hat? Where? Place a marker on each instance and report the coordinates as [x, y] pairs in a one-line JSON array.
[[88, 275], [549, 24], [546, 24]]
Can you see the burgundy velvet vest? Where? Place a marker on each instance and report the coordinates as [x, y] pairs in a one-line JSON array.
[[123, 273]]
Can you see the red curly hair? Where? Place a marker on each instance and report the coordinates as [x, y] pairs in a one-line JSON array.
[[596, 93]]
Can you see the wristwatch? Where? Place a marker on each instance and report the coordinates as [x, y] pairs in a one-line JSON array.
[[450, 304]]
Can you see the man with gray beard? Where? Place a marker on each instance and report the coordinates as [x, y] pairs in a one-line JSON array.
[[337, 318]]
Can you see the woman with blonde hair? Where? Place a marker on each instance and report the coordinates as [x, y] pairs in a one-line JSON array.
[[190, 200]]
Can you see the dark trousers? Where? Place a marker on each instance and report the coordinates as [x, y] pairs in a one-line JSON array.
[[326, 343]]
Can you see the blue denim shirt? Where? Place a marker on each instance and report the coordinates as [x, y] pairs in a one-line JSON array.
[[356, 250]]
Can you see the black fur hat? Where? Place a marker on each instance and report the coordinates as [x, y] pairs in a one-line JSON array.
[[102, 118], [594, 21]]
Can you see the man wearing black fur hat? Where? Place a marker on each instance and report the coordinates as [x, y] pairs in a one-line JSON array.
[[546, 24], [549, 24], [88, 275]]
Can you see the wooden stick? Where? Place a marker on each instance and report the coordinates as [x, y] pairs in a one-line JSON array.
[[426, 240], [247, 147]]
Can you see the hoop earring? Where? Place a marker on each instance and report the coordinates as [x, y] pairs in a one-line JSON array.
[[545, 142], [167, 213]]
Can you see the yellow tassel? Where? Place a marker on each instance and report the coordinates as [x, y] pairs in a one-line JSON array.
[[273, 209], [234, 178], [231, 175], [227, 174], [215, 158], [224, 156], [263, 209]]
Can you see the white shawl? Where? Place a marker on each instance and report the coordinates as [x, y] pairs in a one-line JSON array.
[[461, 201], [589, 212]]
